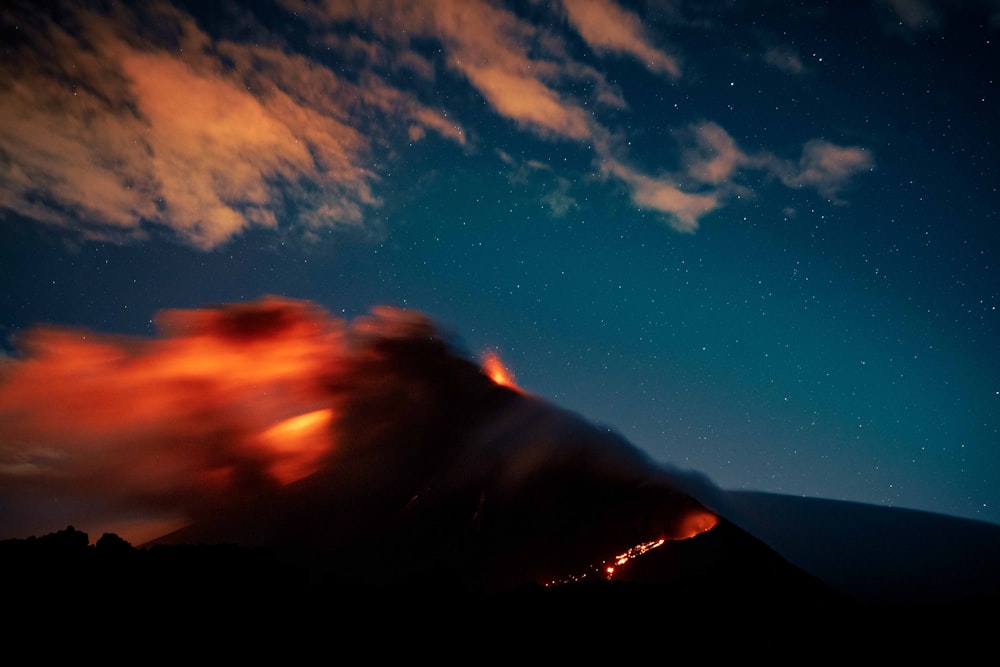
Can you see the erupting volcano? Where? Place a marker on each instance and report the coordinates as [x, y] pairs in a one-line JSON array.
[[369, 454], [371, 449]]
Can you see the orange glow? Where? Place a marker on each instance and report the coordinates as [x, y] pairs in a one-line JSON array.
[[497, 372], [228, 402], [697, 523], [300, 444], [693, 524], [635, 551]]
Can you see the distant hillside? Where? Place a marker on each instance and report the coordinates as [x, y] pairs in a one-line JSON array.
[[878, 554]]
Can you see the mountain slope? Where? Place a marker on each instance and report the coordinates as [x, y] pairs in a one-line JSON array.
[[877, 554]]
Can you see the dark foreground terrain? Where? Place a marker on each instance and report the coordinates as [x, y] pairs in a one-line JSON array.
[[722, 593], [724, 571]]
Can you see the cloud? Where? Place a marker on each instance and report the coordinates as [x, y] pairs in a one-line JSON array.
[[110, 132], [134, 122], [529, 102], [710, 171], [784, 58], [607, 27], [662, 195], [559, 201], [910, 17], [715, 156], [511, 63], [915, 14], [826, 167]]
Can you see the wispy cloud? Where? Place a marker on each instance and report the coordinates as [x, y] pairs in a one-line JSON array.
[[138, 121], [515, 66], [914, 14], [608, 27], [711, 168], [714, 157], [108, 132], [559, 201], [784, 58], [662, 195], [523, 73], [826, 167]]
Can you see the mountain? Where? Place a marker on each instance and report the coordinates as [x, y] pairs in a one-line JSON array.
[[449, 495], [873, 553]]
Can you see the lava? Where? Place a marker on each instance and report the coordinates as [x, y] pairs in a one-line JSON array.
[[497, 372], [697, 523], [637, 550], [694, 524]]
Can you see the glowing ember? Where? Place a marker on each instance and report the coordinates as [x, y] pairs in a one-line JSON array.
[[497, 372]]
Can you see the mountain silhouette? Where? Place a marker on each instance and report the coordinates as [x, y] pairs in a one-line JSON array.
[[873, 553]]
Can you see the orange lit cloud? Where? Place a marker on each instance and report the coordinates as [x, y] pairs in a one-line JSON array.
[[606, 26], [716, 155], [827, 167], [711, 168], [139, 120], [513, 64], [529, 101], [661, 194], [522, 72], [110, 131], [227, 403]]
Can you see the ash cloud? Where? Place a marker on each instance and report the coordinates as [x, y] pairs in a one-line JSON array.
[[111, 427], [274, 424]]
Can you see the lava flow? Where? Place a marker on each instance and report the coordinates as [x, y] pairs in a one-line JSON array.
[[694, 524]]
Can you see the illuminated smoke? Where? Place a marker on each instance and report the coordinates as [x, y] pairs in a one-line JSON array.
[[228, 402], [273, 423]]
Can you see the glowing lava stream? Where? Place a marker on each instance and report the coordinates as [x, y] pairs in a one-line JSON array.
[[693, 525], [637, 550]]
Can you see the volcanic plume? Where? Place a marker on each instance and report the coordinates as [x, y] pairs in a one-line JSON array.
[[371, 449]]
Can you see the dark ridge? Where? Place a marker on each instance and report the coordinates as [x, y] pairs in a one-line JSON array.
[[874, 553]]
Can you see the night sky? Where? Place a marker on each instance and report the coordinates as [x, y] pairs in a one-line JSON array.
[[759, 240]]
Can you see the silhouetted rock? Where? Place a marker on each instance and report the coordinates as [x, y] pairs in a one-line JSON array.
[[111, 544]]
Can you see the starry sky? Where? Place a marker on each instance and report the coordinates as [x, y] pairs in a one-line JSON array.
[[757, 239]]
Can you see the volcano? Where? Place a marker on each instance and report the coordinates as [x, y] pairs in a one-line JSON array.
[[444, 483], [441, 471]]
